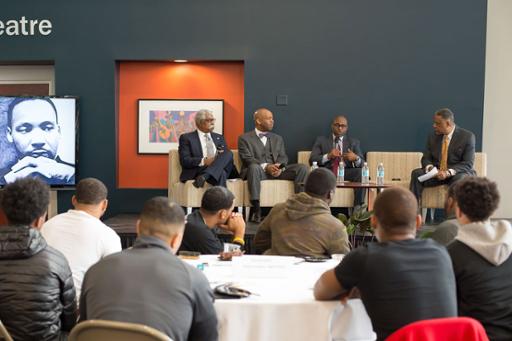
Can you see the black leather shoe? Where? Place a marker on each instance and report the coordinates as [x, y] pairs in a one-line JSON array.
[[199, 181], [255, 217]]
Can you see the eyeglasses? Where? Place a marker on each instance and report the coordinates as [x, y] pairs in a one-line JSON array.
[[209, 120], [337, 125]]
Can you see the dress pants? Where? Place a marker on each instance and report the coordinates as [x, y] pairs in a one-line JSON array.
[[220, 169], [354, 174], [295, 172], [417, 187]]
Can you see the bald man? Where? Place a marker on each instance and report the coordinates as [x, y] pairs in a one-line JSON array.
[[329, 151], [264, 157]]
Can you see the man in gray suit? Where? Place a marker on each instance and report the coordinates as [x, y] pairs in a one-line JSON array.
[[449, 148], [264, 157], [328, 151]]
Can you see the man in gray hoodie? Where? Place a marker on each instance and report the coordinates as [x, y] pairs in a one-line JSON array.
[[303, 225], [481, 258]]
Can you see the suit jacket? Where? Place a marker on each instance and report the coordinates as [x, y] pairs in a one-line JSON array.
[[461, 151], [324, 145], [191, 153], [251, 150]]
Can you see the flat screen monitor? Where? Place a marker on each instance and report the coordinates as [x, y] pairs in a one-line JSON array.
[[38, 138]]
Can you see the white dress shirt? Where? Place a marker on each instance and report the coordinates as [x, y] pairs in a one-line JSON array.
[[202, 139], [83, 239]]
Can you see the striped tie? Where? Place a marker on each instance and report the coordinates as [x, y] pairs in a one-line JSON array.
[[444, 154]]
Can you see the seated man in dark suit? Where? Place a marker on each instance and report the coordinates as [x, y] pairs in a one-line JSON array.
[[204, 156], [401, 279], [264, 157], [450, 149], [328, 151], [216, 211]]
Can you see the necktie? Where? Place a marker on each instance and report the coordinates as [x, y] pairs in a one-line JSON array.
[[335, 163], [262, 135], [444, 154], [210, 148]]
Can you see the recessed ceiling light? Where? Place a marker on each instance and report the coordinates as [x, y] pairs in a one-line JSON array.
[[180, 60]]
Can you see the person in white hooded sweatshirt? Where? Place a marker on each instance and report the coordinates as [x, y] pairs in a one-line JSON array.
[[481, 257]]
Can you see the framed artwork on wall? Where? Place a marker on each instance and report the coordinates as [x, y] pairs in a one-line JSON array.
[[162, 121]]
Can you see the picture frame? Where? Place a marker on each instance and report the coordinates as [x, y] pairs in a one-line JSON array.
[[161, 122]]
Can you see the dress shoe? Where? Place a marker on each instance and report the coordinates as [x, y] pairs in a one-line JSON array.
[[255, 216], [199, 181]]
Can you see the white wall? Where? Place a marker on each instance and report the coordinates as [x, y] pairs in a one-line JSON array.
[[12, 74], [497, 125]]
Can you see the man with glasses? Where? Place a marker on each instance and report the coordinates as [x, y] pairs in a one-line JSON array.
[[329, 151], [204, 156]]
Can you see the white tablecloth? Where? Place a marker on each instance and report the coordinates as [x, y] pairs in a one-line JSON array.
[[282, 307]]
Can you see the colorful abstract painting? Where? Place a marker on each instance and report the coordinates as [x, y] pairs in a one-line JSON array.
[[167, 126], [161, 122]]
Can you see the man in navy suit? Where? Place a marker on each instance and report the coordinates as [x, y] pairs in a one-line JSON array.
[[204, 156], [328, 151], [449, 148]]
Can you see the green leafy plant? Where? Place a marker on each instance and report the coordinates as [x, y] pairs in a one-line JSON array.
[[358, 226]]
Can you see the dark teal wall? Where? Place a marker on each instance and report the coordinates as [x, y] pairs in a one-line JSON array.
[[386, 64]]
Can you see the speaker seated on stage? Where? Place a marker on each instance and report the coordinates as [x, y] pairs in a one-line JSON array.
[[204, 156], [328, 151], [264, 158], [450, 149]]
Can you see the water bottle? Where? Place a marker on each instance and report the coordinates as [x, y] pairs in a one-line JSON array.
[[380, 174], [341, 172], [365, 174], [314, 166]]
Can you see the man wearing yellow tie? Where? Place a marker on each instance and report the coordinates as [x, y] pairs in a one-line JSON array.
[[450, 149]]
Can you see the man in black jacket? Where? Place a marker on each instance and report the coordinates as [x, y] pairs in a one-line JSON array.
[[37, 296], [329, 151]]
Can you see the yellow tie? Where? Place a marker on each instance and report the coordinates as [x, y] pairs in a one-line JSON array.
[[444, 154]]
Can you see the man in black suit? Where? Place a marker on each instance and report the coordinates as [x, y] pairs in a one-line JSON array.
[[204, 156], [450, 149], [264, 157], [328, 151]]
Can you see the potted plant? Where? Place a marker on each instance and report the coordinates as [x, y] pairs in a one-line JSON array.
[[358, 226]]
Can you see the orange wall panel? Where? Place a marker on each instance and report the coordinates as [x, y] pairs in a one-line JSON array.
[[168, 80]]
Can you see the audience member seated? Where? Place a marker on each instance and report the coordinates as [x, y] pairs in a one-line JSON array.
[[204, 156], [216, 211], [37, 296], [264, 158], [304, 225], [450, 149], [328, 151], [148, 284], [79, 234], [481, 258], [446, 232], [400, 279]]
